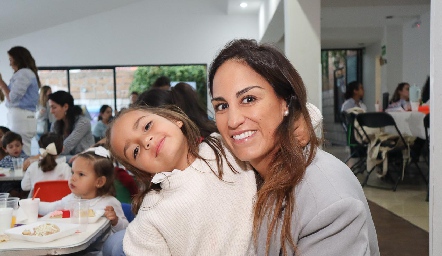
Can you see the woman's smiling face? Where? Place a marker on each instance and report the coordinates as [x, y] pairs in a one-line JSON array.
[[150, 142], [247, 112]]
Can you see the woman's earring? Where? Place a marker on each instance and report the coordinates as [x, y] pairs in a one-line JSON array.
[[286, 112]]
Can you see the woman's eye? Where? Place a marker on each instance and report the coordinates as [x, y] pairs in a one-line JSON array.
[[148, 126], [136, 151], [221, 106], [248, 99]]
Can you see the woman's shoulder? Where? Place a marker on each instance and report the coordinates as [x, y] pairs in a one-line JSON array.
[[24, 72]]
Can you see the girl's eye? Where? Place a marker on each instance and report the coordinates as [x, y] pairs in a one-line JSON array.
[[248, 99], [148, 125], [81, 174], [136, 151], [221, 106]]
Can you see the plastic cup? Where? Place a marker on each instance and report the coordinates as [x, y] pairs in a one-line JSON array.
[[377, 108], [12, 202], [4, 195], [17, 163], [414, 106], [5, 219], [79, 211], [30, 208]]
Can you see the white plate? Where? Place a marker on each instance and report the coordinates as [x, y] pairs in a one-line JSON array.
[[65, 230], [98, 214]]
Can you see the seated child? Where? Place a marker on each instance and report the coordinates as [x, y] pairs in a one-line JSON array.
[[92, 179], [3, 130], [49, 167], [12, 144], [197, 198]]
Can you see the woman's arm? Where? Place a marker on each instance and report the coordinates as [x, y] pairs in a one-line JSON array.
[[81, 128], [4, 87]]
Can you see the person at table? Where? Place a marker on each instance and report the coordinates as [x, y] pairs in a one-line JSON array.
[[70, 123], [400, 99], [50, 166], [92, 179], [308, 202], [3, 130], [44, 117], [104, 118], [12, 144], [22, 95], [353, 97]]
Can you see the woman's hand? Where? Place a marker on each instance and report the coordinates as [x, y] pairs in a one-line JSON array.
[[110, 214]]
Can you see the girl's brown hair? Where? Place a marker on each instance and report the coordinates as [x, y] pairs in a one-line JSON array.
[[44, 97], [276, 199], [103, 166], [193, 137], [48, 162]]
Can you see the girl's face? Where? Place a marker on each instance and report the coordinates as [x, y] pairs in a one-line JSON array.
[[12, 64], [247, 112], [149, 142], [405, 92], [57, 110], [84, 182], [107, 114]]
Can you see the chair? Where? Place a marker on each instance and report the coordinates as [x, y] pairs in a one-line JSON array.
[[127, 209], [357, 149], [393, 144], [52, 190]]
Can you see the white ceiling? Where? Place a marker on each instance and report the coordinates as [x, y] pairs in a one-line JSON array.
[[344, 23]]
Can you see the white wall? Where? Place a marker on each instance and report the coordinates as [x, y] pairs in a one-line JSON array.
[[369, 74], [147, 32], [416, 49]]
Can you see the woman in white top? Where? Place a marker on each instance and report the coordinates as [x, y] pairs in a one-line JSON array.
[[44, 117], [49, 167], [353, 95]]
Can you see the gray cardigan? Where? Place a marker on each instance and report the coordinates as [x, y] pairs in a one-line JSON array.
[[80, 138], [331, 216]]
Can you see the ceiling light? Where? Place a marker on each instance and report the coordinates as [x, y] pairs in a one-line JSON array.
[[243, 5]]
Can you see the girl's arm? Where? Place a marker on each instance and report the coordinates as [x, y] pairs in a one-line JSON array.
[[26, 183], [82, 128], [117, 214], [47, 207]]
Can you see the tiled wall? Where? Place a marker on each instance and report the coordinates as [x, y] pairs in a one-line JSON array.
[[333, 132]]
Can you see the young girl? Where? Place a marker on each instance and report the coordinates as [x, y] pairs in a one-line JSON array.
[[197, 199], [92, 178], [49, 167]]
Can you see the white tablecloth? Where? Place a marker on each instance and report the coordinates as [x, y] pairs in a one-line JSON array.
[[410, 123]]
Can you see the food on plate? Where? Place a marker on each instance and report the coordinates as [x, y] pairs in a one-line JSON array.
[[56, 214], [4, 238], [42, 230], [90, 213]]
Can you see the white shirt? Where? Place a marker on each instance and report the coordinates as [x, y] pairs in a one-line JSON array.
[[34, 174]]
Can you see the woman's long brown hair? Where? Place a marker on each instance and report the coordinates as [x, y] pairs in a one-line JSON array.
[[276, 196], [193, 137]]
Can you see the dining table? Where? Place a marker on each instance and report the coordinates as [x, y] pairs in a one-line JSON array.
[[66, 245], [7, 174]]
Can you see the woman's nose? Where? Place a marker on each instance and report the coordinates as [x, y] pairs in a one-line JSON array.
[[235, 118]]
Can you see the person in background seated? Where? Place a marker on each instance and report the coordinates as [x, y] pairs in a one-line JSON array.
[[70, 123], [400, 99], [104, 118], [22, 95], [49, 167], [13, 145], [3, 130], [353, 96], [133, 98], [44, 117], [162, 82]]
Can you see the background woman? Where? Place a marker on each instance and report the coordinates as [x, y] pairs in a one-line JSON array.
[[70, 123], [44, 117], [104, 118], [308, 201], [22, 95], [400, 98], [353, 96]]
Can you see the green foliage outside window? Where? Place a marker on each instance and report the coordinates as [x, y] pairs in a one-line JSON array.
[[145, 76]]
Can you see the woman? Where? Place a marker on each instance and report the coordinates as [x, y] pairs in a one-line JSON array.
[[22, 95], [308, 201], [44, 118], [70, 123], [353, 97], [104, 118], [400, 99]]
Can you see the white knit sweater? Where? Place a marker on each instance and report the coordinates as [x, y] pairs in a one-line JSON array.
[[195, 213]]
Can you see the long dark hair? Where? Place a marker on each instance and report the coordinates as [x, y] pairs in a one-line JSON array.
[[288, 165], [102, 110], [396, 96], [350, 89], [183, 96], [23, 59], [73, 112], [190, 131]]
